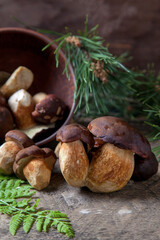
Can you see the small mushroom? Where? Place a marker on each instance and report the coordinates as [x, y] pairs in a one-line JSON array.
[[8, 152], [6, 122], [49, 110], [15, 141], [35, 165], [19, 137], [119, 133], [73, 159], [21, 78], [21, 105]]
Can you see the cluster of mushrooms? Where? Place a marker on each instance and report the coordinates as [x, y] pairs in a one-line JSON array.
[[20, 110], [19, 155], [105, 155]]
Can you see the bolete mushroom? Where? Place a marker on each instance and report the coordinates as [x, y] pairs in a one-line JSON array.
[[21, 105], [73, 159], [15, 141], [21, 78], [111, 166], [117, 132], [35, 165], [49, 110]]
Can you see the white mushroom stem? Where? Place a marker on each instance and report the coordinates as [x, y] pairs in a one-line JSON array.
[[74, 163], [21, 78], [37, 173], [8, 153], [110, 169], [21, 105]]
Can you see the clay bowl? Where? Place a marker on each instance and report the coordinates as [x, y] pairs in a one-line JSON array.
[[22, 47]]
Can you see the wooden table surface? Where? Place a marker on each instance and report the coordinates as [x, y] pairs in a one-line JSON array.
[[132, 213]]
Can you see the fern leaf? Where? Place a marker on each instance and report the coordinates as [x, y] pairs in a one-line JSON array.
[[39, 224], [63, 227], [67, 230], [47, 224], [3, 184], [10, 184], [17, 183], [23, 203], [57, 214], [6, 210], [1, 194], [28, 223], [7, 194], [15, 223], [23, 212], [24, 191]]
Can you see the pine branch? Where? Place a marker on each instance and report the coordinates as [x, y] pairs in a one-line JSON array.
[[24, 213], [103, 84], [82, 51]]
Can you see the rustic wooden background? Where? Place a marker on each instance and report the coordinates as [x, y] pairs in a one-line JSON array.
[[132, 213], [127, 25]]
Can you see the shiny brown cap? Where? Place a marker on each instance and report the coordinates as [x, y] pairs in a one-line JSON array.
[[24, 156], [73, 132], [116, 131], [49, 110], [19, 137]]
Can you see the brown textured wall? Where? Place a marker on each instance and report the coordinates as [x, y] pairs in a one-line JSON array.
[[131, 25]]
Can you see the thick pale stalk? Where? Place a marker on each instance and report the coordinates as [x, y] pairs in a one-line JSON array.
[[37, 174], [74, 163], [110, 169]]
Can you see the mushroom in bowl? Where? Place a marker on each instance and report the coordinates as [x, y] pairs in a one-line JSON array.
[[28, 45]]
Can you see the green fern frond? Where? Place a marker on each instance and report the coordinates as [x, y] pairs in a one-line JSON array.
[[63, 227], [47, 224], [15, 223], [26, 214], [39, 224], [28, 223]]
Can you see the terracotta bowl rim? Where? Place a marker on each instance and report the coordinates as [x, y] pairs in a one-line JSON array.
[[46, 40]]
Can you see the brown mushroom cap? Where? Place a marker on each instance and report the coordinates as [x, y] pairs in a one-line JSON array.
[[19, 137], [24, 156], [116, 131], [50, 109], [73, 132], [6, 122]]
